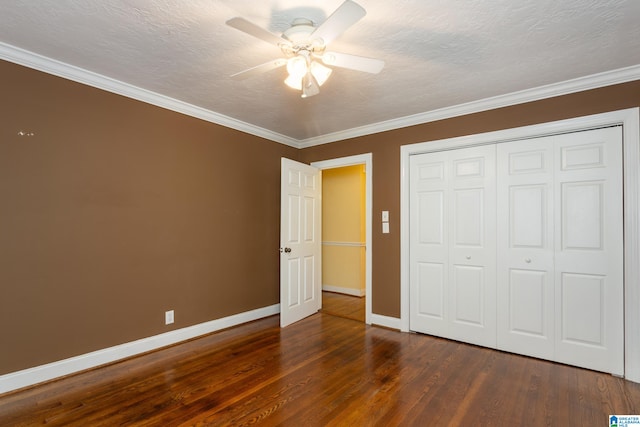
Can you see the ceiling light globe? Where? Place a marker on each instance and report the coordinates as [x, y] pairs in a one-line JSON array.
[[320, 72], [294, 82], [297, 67]]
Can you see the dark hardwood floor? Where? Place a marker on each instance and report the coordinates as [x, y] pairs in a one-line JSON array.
[[347, 306], [324, 370]]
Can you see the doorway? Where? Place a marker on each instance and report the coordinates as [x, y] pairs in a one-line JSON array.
[[348, 243], [343, 237]]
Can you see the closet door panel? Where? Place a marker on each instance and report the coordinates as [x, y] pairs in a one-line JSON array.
[[582, 308], [430, 290], [527, 214], [472, 245], [452, 254], [527, 306], [469, 218], [589, 296], [582, 215], [467, 292], [429, 257], [525, 279]]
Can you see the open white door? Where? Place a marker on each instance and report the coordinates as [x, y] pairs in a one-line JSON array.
[[300, 241]]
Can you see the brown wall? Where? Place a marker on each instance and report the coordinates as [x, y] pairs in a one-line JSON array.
[[386, 165], [116, 211]]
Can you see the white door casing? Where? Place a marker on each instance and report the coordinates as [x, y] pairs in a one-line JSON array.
[[452, 245], [366, 160], [300, 241]]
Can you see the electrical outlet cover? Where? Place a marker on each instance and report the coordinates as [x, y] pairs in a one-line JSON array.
[[168, 317]]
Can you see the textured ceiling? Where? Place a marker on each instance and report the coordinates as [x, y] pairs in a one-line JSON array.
[[438, 53]]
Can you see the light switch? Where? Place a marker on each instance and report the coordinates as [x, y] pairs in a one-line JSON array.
[[385, 228], [385, 216]]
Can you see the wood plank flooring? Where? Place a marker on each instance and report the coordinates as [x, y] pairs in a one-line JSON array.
[[324, 371], [347, 306]]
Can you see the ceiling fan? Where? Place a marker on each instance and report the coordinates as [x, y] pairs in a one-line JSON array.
[[304, 47]]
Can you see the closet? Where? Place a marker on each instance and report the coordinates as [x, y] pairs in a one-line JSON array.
[[519, 246]]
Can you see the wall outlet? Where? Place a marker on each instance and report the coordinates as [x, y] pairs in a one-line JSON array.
[[168, 317]]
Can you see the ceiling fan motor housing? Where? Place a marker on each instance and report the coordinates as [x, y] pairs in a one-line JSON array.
[[299, 35]]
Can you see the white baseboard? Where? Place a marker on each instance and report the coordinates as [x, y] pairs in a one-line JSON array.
[[387, 322], [348, 291], [38, 374]]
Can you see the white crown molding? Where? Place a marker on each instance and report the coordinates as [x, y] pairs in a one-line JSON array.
[[50, 371], [580, 84], [80, 75], [61, 69]]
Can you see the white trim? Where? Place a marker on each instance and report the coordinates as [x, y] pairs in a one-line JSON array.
[[387, 322], [350, 244], [630, 121], [346, 291], [580, 84], [48, 65], [80, 75], [631, 166], [367, 160], [42, 373]]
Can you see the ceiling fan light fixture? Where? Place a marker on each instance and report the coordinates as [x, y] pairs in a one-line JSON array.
[[306, 75], [304, 47], [294, 82], [310, 86], [297, 66], [320, 72]]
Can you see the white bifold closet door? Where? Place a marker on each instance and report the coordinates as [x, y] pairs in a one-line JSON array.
[[453, 246], [519, 246], [526, 254], [560, 249]]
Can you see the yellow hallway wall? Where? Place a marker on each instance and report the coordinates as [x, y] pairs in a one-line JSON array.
[[343, 229]]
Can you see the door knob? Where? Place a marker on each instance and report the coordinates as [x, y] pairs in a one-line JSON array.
[[468, 257], [527, 260]]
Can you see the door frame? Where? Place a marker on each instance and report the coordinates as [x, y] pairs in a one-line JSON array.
[[630, 121], [366, 160]]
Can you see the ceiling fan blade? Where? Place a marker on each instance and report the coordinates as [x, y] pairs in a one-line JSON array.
[[342, 18], [255, 31], [353, 62], [259, 69]]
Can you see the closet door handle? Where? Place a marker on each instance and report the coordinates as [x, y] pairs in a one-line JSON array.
[[468, 257], [527, 260]]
